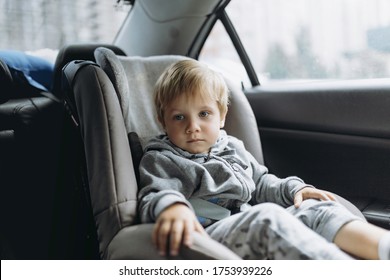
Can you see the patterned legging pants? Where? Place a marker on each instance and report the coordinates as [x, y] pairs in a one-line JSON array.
[[268, 231]]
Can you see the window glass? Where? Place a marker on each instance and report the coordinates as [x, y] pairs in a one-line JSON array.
[[219, 52], [50, 24], [306, 39]]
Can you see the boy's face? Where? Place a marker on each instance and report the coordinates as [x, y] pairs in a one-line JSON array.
[[193, 123]]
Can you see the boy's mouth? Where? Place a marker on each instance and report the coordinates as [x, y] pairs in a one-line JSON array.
[[195, 140]]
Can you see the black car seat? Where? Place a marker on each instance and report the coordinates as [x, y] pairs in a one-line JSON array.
[[114, 110], [29, 137], [39, 169]]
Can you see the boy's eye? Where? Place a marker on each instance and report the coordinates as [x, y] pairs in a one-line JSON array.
[[204, 114], [178, 117]]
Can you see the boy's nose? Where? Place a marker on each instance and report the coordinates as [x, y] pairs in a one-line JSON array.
[[192, 127]]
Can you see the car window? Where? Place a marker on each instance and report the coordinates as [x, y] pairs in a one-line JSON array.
[[38, 25], [219, 52], [305, 40]]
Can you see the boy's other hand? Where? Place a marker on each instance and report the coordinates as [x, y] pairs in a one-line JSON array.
[[309, 192], [175, 225]]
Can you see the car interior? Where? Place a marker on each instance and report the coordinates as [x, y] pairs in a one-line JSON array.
[[69, 155]]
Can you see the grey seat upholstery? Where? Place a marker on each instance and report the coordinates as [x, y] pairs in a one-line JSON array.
[[115, 101]]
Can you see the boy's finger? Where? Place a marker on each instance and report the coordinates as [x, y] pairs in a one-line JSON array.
[[199, 228], [322, 195], [187, 233], [298, 199], [330, 196], [175, 238], [163, 237], [155, 234]]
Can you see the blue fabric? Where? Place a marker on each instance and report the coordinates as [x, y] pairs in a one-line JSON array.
[[36, 71]]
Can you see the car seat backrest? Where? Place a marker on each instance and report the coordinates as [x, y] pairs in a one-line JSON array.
[[134, 79]]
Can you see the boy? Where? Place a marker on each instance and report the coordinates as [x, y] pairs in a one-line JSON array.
[[288, 219]]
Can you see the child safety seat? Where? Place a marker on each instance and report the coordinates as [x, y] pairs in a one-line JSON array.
[[113, 108]]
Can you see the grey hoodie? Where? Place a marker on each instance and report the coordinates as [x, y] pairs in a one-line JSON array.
[[228, 176]]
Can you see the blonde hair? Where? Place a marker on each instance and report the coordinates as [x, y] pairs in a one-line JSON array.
[[190, 78]]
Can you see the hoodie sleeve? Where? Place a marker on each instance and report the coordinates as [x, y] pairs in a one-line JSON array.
[[162, 182], [270, 188]]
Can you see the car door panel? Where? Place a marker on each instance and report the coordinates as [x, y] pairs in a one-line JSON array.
[[334, 135]]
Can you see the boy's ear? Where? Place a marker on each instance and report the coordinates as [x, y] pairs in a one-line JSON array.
[[223, 118]]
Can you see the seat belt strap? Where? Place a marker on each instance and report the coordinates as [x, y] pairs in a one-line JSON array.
[[207, 209]]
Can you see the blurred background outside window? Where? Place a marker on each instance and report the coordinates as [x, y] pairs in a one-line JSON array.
[[306, 39], [285, 39], [44, 26]]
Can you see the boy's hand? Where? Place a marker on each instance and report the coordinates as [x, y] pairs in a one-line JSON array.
[[308, 192], [174, 226]]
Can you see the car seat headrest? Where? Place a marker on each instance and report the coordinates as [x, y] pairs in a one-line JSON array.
[[134, 79], [108, 61], [72, 52]]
